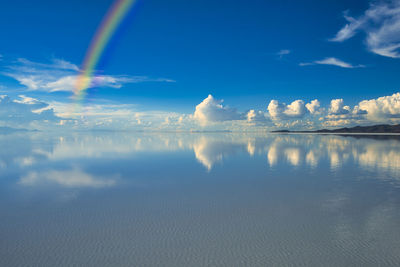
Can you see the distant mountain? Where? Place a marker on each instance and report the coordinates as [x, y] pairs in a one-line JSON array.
[[382, 128]]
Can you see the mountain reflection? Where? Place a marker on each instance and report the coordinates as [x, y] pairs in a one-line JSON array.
[[63, 160]]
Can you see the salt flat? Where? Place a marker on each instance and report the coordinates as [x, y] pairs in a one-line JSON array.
[[217, 199]]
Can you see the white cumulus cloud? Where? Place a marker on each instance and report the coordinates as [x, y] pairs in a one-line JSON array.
[[313, 107], [337, 107], [254, 116], [382, 107], [212, 110], [278, 110]]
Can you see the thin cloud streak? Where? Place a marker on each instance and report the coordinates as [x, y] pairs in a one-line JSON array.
[[333, 62]]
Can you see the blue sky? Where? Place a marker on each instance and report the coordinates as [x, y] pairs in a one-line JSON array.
[[178, 52]]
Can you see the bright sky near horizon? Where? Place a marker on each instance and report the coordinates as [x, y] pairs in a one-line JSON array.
[[292, 64]]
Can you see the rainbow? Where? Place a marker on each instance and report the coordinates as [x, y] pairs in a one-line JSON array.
[[105, 31]]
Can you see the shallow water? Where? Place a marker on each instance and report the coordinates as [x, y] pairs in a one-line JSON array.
[[140, 199]]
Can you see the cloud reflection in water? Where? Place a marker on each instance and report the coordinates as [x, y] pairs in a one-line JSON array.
[[45, 158]]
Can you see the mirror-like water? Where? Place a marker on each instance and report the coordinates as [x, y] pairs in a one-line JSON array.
[[141, 199]]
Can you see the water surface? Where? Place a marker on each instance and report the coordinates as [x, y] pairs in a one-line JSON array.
[[162, 199]]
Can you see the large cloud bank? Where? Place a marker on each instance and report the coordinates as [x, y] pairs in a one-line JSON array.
[[299, 114], [209, 114]]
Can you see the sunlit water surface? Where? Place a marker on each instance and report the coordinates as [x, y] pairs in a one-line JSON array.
[[140, 199]]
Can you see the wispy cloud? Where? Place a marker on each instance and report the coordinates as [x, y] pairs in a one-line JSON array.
[[381, 24], [333, 62], [61, 75], [54, 64], [283, 52]]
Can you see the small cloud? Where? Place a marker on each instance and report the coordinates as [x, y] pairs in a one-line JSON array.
[[333, 62], [306, 64], [283, 52]]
